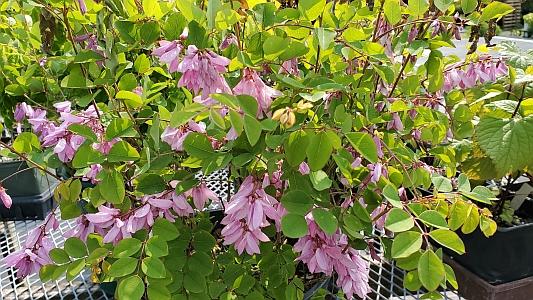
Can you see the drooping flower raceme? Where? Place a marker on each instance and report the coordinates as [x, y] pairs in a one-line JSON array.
[[34, 254], [247, 212], [251, 84], [486, 69], [202, 71], [323, 253]]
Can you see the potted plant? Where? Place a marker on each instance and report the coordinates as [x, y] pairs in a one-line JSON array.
[[487, 122], [319, 112]]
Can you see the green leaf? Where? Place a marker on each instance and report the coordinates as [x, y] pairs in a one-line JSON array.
[[120, 128], [364, 144], [111, 186], [156, 246], [123, 151], [393, 11], [507, 142], [450, 276], [236, 121], [75, 268], [248, 104], [165, 229], [463, 184], [141, 64], [201, 262], [443, 5], [217, 119], [126, 247], [495, 10], [458, 214], [417, 8], [130, 98], [297, 202], [325, 220], [252, 127], [194, 282], [399, 220], [448, 239], [149, 32], [406, 243], [487, 226], [411, 281], [294, 145], [319, 151], [442, 184], [75, 247], [430, 270], [198, 145], [320, 180], [203, 241], [85, 56], [153, 267], [391, 194], [97, 254], [325, 37], [26, 142], [293, 225], [481, 194], [468, 6], [83, 130], [150, 184], [123, 266], [131, 288], [274, 46], [59, 256], [311, 9], [85, 156], [433, 218]]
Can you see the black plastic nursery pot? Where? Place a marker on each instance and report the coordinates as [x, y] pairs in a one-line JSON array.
[[31, 191], [504, 257]]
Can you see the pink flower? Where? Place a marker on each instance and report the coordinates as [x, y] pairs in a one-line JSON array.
[[247, 212], [201, 194], [378, 142], [93, 173], [396, 122], [290, 67], [138, 90], [168, 53], [64, 106], [376, 171], [304, 168], [379, 223], [202, 72], [176, 136], [6, 199], [34, 254], [323, 253], [22, 111], [83, 7], [229, 40], [251, 84]]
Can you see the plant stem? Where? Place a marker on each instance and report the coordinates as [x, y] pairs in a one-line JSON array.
[[25, 158]]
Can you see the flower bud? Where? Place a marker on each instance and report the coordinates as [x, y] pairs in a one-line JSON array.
[[302, 107]]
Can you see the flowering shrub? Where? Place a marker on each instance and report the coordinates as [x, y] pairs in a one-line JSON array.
[[332, 119]]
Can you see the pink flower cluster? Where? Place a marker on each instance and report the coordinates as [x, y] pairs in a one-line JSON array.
[[59, 137], [34, 254], [486, 69], [324, 253], [114, 226], [247, 212], [251, 84], [202, 73]]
